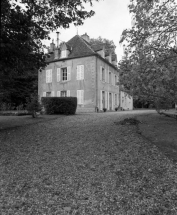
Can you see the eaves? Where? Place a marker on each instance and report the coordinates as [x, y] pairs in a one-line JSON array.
[[94, 54]]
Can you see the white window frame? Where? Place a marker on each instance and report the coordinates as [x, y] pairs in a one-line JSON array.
[[68, 74]]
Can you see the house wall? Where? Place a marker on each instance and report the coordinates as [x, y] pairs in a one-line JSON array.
[[92, 83], [88, 84], [109, 89]]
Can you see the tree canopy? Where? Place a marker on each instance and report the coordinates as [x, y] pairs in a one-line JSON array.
[[109, 44], [24, 24], [148, 69]]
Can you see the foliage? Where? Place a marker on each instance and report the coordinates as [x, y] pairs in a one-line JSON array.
[[33, 105], [60, 105], [109, 44], [24, 24], [6, 106], [104, 109], [148, 69]]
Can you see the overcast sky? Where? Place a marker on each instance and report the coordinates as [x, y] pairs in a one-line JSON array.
[[110, 19]]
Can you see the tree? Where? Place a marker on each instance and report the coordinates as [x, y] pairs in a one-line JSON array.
[[109, 44], [24, 24], [149, 66]]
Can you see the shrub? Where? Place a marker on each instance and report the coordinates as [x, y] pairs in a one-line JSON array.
[[59, 105], [33, 105], [104, 109]]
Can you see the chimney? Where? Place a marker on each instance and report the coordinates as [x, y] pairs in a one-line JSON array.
[[110, 57], [103, 52], [58, 39], [52, 46], [86, 37]]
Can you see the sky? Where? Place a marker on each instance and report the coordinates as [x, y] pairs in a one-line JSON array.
[[110, 19]]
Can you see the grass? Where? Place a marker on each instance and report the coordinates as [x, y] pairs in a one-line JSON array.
[[162, 132], [84, 165]]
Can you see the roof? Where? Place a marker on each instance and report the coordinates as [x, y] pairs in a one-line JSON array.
[[79, 48]]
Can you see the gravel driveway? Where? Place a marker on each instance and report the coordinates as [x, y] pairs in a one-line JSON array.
[[84, 164]]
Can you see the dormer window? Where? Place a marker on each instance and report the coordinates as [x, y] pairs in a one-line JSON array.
[[63, 53]]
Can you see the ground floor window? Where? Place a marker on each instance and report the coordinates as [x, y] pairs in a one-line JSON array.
[[115, 99], [63, 93], [48, 94]]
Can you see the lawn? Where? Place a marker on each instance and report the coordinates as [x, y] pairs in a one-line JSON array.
[[87, 164]]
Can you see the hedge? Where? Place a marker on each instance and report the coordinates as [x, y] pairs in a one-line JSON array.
[[59, 105]]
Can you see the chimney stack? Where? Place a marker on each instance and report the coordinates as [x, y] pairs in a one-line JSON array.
[[58, 39], [52, 46], [86, 37]]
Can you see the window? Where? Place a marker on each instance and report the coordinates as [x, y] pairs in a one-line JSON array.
[[102, 73], [110, 77], [48, 94], [63, 93], [49, 76], [115, 99], [64, 74], [115, 80], [80, 72], [58, 93], [80, 96], [63, 53]]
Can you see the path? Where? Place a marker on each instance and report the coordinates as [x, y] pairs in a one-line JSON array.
[[84, 164]]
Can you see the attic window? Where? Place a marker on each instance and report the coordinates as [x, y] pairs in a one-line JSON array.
[[63, 53]]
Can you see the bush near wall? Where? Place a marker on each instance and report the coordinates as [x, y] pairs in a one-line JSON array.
[[59, 105]]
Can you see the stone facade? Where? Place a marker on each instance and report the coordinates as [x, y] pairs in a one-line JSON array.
[[82, 72]]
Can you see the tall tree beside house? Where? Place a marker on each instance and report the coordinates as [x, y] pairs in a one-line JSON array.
[[109, 44], [149, 66], [24, 24]]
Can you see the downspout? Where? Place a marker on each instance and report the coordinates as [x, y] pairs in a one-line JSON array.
[[96, 108]]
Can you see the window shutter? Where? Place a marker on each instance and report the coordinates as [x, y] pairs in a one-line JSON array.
[[112, 100], [82, 71], [58, 93], [47, 76], [100, 73], [108, 75], [68, 73], [58, 74], [77, 76], [101, 105], [53, 93], [68, 93], [50, 76], [44, 94], [78, 96], [106, 97], [108, 100], [82, 96]]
